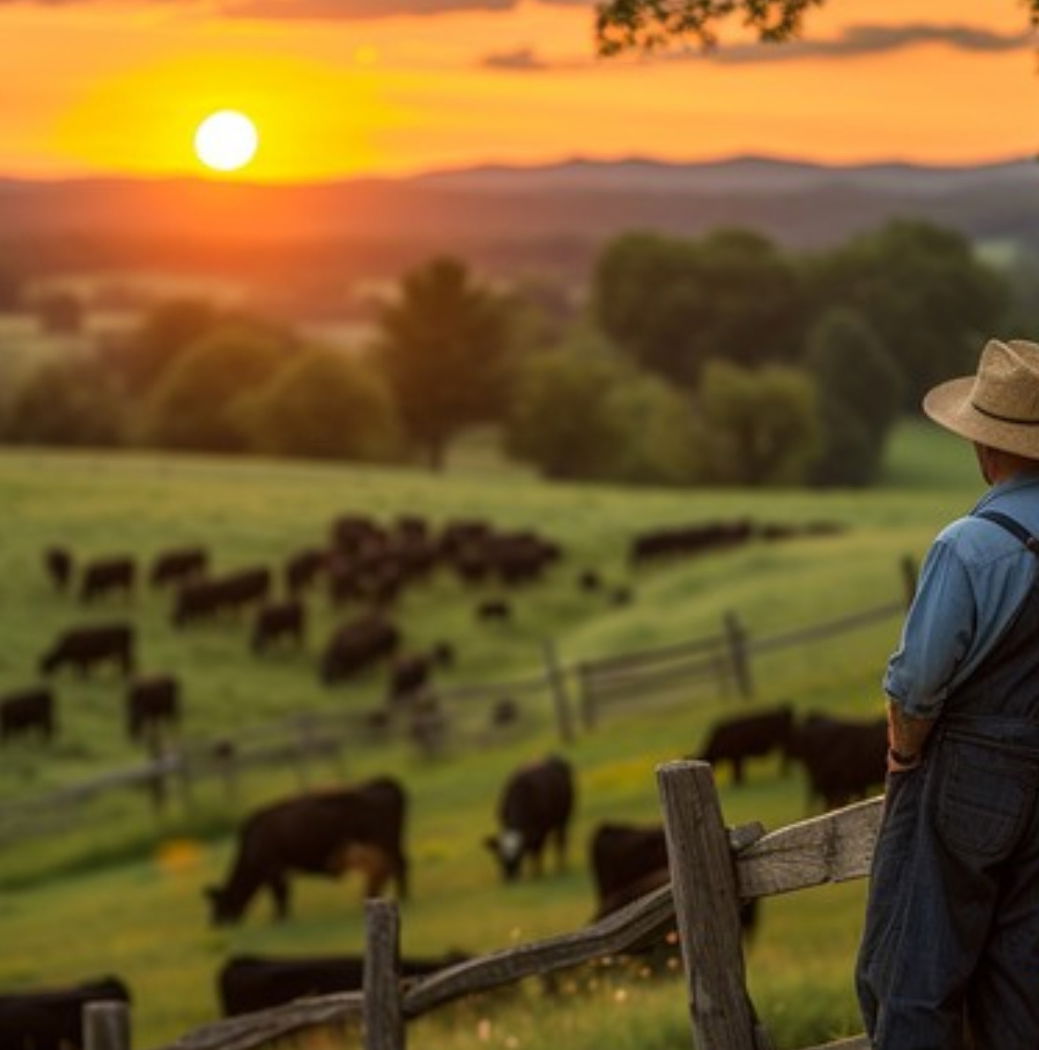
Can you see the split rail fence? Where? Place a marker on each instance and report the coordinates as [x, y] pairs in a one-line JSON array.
[[714, 870], [724, 660]]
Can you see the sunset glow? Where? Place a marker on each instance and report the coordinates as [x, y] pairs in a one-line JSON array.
[[340, 90]]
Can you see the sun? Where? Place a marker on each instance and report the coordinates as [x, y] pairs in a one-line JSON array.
[[226, 140]]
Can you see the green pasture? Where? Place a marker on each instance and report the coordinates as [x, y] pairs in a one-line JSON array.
[[119, 891]]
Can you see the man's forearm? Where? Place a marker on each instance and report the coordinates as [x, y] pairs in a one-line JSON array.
[[906, 735]]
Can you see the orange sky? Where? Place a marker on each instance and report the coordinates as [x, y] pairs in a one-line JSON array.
[[118, 86]]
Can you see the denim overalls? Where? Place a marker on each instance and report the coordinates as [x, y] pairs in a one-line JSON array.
[[950, 953]]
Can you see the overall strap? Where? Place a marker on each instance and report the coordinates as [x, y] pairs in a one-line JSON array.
[[1015, 528]]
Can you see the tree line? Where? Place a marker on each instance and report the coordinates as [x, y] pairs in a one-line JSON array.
[[718, 360]]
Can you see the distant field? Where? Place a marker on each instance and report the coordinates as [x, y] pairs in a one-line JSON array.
[[140, 912]]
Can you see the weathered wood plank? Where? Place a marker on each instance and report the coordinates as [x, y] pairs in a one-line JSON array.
[[649, 916], [383, 1023], [706, 907], [264, 1026], [857, 1042], [106, 1025], [832, 848]]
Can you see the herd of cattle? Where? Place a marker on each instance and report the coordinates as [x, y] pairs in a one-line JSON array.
[[717, 535], [364, 562], [363, 828]]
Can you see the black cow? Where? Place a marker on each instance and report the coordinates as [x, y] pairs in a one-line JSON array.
[[356, 645], [247, 983], [535, 805], [178, 566], [109, 574], [408, 675], [196, 601], [749, 736], [843, 759], [504, 712], [320, 834], [58, 562], [51, 1018], [151, 703], [302, 567], [26, 710], [85, 646], [277, 621], [630, 860], [494, 609], [244, 587]]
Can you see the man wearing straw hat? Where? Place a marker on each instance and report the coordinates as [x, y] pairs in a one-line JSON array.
[[950, 951]]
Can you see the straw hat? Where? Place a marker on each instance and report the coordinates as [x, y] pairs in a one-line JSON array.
[[999, 406]]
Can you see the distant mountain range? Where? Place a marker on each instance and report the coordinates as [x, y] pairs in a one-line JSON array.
[[799, 204]]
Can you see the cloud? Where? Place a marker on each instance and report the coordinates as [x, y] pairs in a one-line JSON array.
[[523, 58], [855, 41], [873, 39], [366, 9]]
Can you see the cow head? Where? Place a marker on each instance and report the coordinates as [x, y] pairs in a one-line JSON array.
[[224, 911], [507, 846]]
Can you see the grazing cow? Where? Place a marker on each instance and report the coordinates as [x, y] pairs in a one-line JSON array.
[[843, 759], [302, 567], [59, 566], [110, 574], [749, 736], [244, 587], [356, 645], [535, 805], [85, 646], [277, 621], [494, 609], [319, 834], [630, 860], [51, 1018], [150, 703], [26, 710], [247, 983], [443, 654], [408, 675], [505, 712], [178, 566]]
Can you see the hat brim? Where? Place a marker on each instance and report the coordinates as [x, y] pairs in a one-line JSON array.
[[949, 405]]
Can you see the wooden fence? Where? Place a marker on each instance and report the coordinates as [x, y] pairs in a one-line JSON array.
[[713, 870]]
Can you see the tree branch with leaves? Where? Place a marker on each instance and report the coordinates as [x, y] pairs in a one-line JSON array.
[[626, 25]]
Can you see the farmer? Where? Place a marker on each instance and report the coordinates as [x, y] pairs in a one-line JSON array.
[[950, 951]]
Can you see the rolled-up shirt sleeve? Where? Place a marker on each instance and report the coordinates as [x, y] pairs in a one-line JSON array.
[[937, 634]]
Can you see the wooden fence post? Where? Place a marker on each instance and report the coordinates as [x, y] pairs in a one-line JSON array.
[[703, 881], [106, 1025], [557, 685], [383, 1015], [908, 567], [588, 712], [736, 636]]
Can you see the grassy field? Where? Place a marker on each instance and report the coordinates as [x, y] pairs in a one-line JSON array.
[[122, 893]]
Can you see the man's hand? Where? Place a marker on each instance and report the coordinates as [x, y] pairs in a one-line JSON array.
[[906, 737]]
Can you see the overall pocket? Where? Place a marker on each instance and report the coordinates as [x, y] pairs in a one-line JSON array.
[[984, 796]]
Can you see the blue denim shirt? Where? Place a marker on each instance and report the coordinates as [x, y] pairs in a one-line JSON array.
[[972, 582]]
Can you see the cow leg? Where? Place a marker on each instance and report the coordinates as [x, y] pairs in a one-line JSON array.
[[737, 770], [280, 892]]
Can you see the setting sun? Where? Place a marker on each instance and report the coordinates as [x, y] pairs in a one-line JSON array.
[[226, 141]]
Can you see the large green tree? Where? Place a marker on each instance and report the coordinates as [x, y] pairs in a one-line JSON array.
[[192, 405], [923, 291], [624, 24], [675, 303], [760, 426], [443, 346], [860, 389], [324, 404], [70, 401]]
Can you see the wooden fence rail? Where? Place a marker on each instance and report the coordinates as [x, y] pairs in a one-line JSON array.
[[713, 870]]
